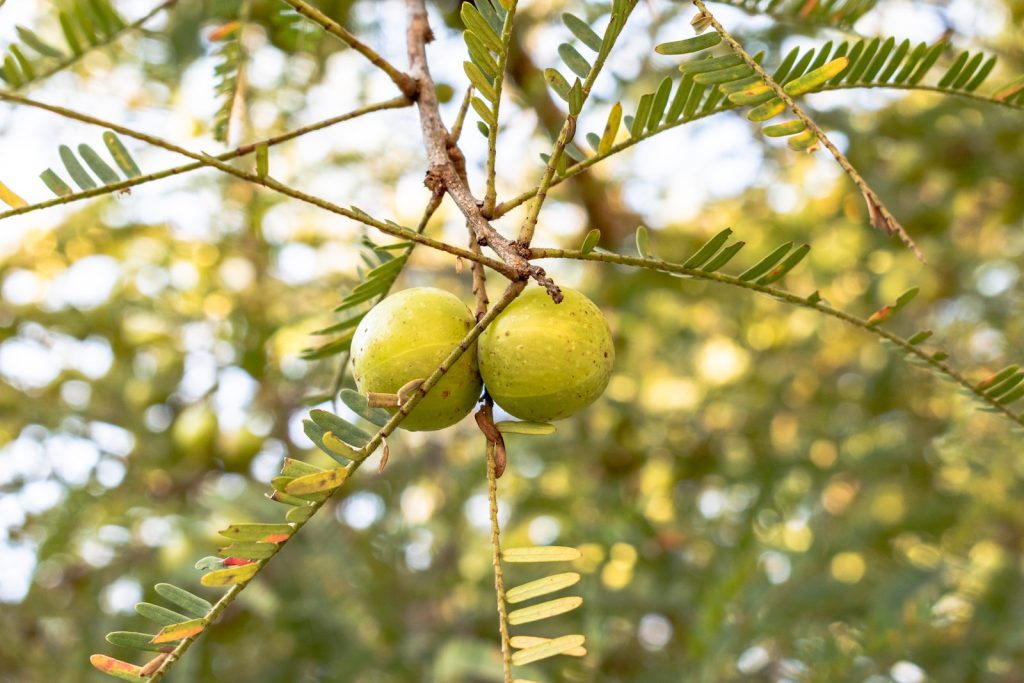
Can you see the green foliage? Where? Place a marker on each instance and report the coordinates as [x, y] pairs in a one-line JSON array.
[[758, 478], [99, 167], [84, 24]]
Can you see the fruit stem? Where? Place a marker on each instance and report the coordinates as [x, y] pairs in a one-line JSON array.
[[499, 578]]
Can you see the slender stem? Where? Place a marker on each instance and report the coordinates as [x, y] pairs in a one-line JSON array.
[[386, 227], [564, 137], [460, 118], [104, 42], [243, 150], [876, 207], [582, 166], [479, 279], [788, 297], [405, 83], [491, 194], [446, 163], [499, 577]]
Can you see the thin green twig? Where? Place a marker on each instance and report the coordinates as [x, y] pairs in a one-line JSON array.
[[574, 170], [490, 194], [565, 136], [881, 217], [499, 576], [510, 294], [104, 42], [386, 227], [241, 151], [942, 367]]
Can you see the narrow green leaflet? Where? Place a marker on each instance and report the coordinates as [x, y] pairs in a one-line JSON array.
[[134, 641], [709, 249], [541, 553], [120, 154], [780, 130], [480, 82], [590, 241], [685, 47], [766, 264], [98, 166], [182, 598], [339, 427], [574, 60], [248, 550], [230, 575], [318, 481], [523, 642], [998, 377], [723, 257], [185, 629], [813, 79], [257, 532], [299, 514], [920, 337], [358, 404], [582, 31], [159, 615], [545, 610], [557, 82], [30, 38], [476, 24], [778, 272], [75, 169], [550, 648], [523, 427], [643, 110], [535, 589]]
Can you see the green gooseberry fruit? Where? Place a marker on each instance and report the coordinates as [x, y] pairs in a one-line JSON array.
[[543, 361], [406, 337]]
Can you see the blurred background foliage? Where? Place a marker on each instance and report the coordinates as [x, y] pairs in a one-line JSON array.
[[762, 494]]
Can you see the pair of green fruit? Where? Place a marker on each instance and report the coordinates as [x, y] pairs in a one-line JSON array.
[[540, 361]]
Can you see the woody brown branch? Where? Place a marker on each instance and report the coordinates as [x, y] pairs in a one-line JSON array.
[[444, 158]]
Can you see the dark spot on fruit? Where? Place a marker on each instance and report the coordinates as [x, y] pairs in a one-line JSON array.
[[605, 354], [445, 393]]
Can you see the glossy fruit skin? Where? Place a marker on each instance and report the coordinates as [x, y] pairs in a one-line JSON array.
[[406, 337], [543, 361]]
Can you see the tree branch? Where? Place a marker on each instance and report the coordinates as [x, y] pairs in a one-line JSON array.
[[926, 358], [445, 160], [499, 576], [511, 292], [386, 227], [241, 151], [879, 214], [104, 42]]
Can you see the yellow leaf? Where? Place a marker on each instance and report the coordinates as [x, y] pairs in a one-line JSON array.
[[544, 610], [549, 648], [540, 553], [8, 197]]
